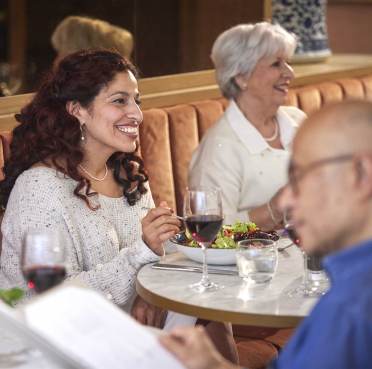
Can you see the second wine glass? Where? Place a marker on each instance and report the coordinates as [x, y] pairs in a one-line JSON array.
[[203, 218], [43, 259]]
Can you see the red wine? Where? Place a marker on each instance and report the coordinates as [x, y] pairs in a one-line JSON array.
[[292, 234], [204, 228], [42, 277]]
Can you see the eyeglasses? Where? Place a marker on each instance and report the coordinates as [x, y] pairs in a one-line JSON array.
[[295, 174]]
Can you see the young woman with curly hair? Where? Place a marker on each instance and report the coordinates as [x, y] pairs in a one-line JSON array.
[[73, 167]]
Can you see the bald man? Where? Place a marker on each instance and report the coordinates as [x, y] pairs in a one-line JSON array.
[[330, 197]]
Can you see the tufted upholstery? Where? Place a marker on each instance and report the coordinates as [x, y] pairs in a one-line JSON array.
[[169, 135]]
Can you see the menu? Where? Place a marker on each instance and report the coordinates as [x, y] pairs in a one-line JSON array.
[[80, 326]]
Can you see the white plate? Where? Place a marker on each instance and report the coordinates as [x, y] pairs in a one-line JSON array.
[[214, 256]]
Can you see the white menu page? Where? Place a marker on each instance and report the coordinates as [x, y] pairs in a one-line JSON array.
[[83, 324]]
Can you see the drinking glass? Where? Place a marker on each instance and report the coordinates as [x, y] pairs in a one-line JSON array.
[[202, 210], [43, 260], [257, 260], [315, 281]]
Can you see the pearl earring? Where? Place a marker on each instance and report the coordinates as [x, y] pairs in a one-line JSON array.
[[82, 136]]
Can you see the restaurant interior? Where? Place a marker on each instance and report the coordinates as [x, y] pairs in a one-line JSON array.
[[248, 322]]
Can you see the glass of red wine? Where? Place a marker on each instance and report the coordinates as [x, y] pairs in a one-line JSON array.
[[202, 210], [43, 259]]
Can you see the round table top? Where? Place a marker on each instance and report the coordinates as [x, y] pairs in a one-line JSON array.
[[267, 305]]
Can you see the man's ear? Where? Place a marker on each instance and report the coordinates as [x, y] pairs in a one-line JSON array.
[[363, 168], [75, 109]]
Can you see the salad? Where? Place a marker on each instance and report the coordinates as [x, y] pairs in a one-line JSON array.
[[229, 235]]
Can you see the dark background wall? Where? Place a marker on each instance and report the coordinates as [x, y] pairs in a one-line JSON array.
[[171, 36]]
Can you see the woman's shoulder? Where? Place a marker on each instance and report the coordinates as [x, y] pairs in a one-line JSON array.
[[219, 132], [296, 114], [43, 178]]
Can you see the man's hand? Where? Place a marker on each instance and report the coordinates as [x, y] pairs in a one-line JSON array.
[[193, 348], [148, 314]]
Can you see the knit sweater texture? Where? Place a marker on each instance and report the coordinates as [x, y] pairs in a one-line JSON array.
[[104, 246]]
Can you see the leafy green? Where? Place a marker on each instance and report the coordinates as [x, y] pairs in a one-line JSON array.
[[225, 237], [240, 227], [222, 242], [11, 296]]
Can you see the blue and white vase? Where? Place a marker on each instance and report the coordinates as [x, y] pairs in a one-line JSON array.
[[306, 19]]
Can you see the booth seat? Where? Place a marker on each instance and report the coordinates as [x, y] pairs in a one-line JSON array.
[[169, 135]]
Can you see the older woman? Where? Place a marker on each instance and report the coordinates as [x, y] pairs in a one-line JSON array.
[[245, 153]]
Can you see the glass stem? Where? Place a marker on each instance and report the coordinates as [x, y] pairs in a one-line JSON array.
[[305, 268], [205, 278]]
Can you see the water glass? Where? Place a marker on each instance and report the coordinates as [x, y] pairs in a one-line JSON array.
[[316, 282], [257, 260]]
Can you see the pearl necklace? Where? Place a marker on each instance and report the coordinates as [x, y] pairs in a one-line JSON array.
[[275, 135], [93, 177]]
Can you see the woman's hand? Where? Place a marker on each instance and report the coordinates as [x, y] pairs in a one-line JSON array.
[[268, 216], [193, 348], [148, 314], [158, 226]]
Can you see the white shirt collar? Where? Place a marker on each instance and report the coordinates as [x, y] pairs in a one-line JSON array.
[[251, 137]]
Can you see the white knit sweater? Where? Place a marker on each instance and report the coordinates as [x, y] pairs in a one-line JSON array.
[[105, 247]]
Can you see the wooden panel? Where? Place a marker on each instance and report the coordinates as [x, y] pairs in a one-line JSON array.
[[201, 21], [189, 87], [17, 34]]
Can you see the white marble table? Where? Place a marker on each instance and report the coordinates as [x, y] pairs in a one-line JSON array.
[[266, 305]]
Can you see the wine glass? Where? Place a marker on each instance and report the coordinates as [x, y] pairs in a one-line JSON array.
[[202, 210], [315, 281], [43, 259]]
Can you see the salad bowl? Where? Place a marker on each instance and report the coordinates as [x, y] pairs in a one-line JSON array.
[[223, 249], [214, 256]]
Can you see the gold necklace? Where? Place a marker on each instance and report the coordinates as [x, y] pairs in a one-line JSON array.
[[275, 135], [93, 177]]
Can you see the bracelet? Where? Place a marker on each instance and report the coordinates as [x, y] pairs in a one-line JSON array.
[[272, 216]]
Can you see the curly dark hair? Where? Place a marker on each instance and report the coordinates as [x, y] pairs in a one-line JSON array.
[[47, 133]]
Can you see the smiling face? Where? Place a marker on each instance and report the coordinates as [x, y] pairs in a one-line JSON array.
[[269, 82], [112, 120]]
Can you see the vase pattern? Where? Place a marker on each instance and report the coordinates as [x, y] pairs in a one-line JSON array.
[[307, 20]]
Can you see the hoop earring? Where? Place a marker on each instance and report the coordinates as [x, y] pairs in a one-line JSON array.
[[82, 133]]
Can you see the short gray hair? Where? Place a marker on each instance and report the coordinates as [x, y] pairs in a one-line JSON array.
[[238, 49]]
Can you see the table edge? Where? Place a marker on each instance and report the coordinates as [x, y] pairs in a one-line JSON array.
[[259, 320]]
